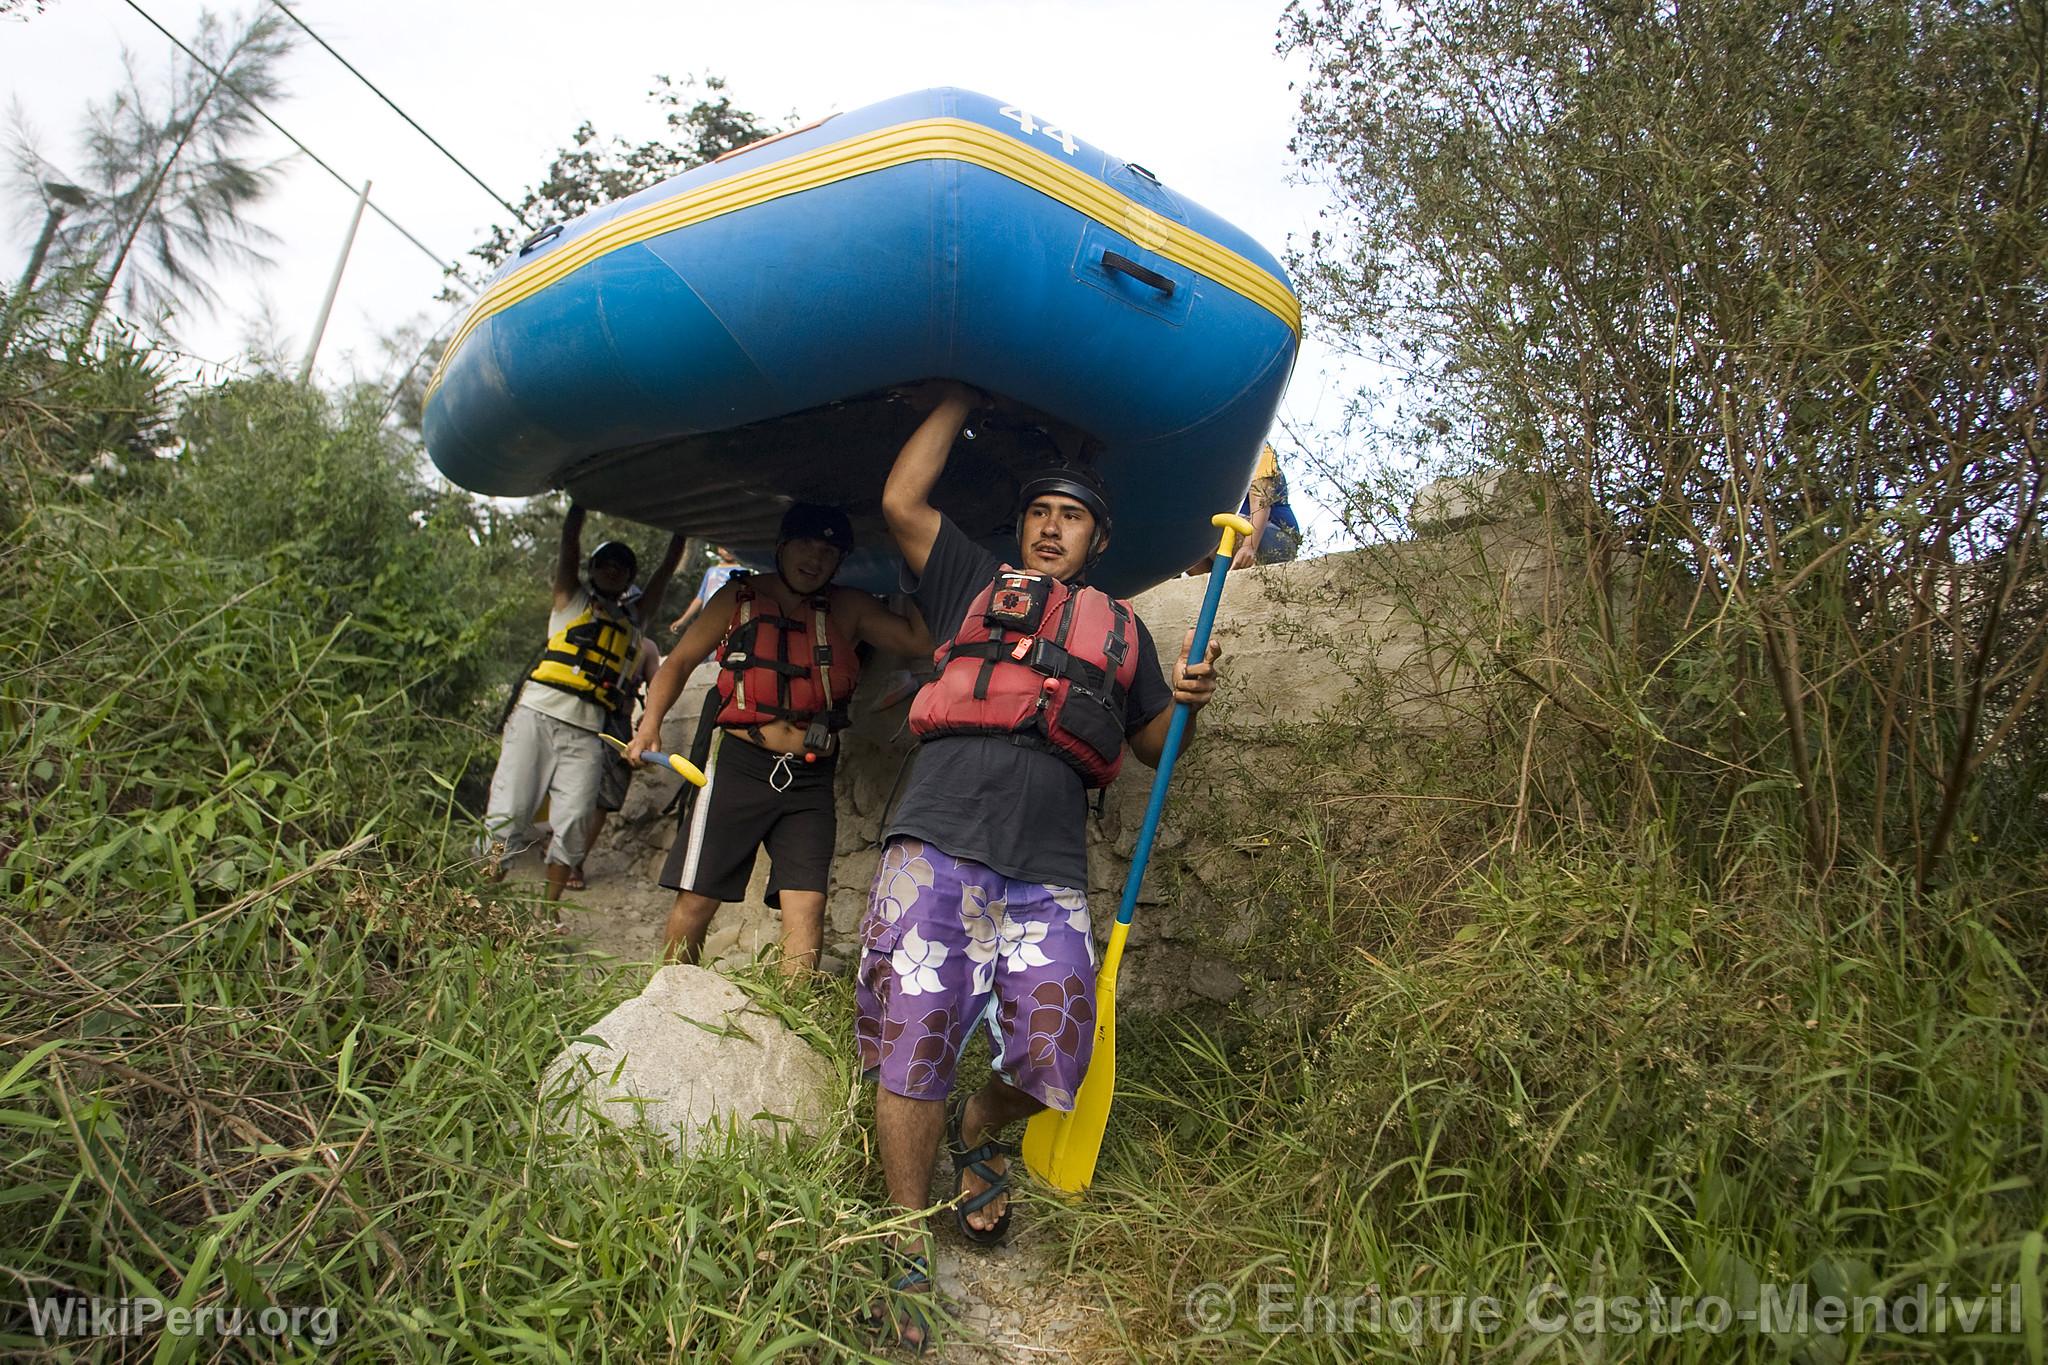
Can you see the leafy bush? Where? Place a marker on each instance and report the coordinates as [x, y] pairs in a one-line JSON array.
[[1753, 290], [264, 1043], [1598, 1073]]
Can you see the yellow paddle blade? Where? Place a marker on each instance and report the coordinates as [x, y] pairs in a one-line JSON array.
[[1060, 1149]]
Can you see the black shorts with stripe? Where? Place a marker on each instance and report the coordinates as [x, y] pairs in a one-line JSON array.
[[752, 797]]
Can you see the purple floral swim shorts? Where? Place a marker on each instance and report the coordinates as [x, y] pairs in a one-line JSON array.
[[947, 944]]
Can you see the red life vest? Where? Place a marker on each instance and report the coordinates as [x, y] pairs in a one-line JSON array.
[[774, 668], [1060, 686]]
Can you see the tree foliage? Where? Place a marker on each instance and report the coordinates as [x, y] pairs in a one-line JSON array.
[[702, 124], [240, 661], [167, 175], [1755, 287]]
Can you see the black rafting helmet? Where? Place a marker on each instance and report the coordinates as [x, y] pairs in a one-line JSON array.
[[616, 552], [815, 521], [1084, 486]]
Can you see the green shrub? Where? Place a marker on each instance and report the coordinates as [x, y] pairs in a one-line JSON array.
[[264, 1042]]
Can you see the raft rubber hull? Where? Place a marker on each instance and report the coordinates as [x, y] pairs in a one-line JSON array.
[[700, 354]]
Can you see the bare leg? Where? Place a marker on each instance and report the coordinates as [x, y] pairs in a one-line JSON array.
[[992, 1108], [558, 879], [908, 1132], [803, 931], [597, 820], [689, 919]]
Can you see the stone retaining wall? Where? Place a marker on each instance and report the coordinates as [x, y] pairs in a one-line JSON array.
[[1300, 643]]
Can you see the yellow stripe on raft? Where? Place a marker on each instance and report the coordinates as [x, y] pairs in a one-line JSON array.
[[924, 140]]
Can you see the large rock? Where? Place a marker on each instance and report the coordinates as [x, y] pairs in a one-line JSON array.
[[688, 1053]]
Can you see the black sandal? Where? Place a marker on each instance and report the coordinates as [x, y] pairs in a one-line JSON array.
[[998, 1183], [882, 1317]]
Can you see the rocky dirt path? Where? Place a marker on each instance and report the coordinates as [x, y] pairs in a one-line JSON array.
[[1013, 1303]]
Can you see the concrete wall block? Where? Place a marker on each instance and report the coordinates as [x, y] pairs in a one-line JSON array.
[[1467, 500], [856, 871], [1307, 646], [843, 911]]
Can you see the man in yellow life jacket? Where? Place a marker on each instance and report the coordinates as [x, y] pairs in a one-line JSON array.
[[1276, 535], [786, 646], [552, 749]]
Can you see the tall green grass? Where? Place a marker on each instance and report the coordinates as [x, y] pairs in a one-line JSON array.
[[1585, 1067], [263, 1041]]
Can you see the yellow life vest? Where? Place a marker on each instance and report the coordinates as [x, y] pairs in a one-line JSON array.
[[587, 657]]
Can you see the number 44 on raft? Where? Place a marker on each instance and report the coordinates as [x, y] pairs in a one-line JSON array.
[[1028, 121]]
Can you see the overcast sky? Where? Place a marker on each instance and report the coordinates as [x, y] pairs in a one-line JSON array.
[[1192, 89]]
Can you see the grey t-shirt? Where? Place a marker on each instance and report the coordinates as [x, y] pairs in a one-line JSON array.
[[1019, 810]]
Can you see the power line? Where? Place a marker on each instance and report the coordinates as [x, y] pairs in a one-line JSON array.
[[502, 201], [351, 187]]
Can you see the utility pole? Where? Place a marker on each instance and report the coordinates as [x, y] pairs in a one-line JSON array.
[[334, 285], [62, 198]]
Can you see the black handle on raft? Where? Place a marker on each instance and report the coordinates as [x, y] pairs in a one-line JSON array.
[[541, 238], [1112, 260]]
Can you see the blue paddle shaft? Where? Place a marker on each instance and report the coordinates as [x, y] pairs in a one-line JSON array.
[[1176, 728]]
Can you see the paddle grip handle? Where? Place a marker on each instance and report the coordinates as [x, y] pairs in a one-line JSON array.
[[1233, 527], [1176, 727]]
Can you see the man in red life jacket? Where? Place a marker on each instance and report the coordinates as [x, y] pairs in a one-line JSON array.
[[979, 910], [787, 669]]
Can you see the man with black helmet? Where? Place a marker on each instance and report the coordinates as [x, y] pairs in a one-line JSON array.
[[786, 646], [551, 747], [979, 910]]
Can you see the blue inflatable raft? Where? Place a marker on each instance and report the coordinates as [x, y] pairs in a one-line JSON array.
[[703, 352]]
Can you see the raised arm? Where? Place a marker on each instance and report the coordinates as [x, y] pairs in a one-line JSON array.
[[657, 582], [884, 629], [696, 645], [907, 496], [569, 558], [1267, 488], [1247, 552]]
